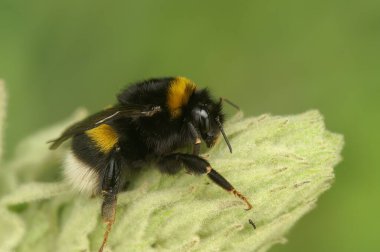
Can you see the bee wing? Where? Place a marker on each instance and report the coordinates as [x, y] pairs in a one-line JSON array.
[[113, 113]]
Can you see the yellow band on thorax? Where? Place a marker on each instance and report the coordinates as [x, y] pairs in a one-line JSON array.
[[179, 92]]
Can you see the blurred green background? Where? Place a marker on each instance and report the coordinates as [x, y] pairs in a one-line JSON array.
[[282, 57]]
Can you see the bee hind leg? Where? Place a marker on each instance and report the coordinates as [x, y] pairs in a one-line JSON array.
[[110, 189]]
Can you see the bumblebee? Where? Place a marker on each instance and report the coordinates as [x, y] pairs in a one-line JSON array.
[[150, 122]]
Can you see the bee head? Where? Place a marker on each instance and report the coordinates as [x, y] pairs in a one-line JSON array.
[[207, 117]]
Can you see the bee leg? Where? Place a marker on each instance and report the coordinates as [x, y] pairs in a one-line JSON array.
[[198, 165], [110, 189], [169, 165], [197, 139]]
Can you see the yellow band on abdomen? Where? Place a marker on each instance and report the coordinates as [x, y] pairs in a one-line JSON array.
[[104, 136]]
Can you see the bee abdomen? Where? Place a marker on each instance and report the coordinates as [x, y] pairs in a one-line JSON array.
[[104, 137], [80, 175], [84, 164]]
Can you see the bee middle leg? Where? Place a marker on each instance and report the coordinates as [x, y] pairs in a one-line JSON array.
[[197, 165]]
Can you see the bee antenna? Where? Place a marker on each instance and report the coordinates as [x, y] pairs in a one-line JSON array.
[[222, 99], [224, 134]]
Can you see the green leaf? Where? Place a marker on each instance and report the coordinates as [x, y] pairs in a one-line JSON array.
[[281, 163], [32, 156]]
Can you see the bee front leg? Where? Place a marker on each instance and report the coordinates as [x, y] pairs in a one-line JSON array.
[[197, 139], [110, 189], [198, 165]]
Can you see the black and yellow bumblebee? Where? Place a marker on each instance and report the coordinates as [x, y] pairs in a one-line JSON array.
[[151, 121]]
